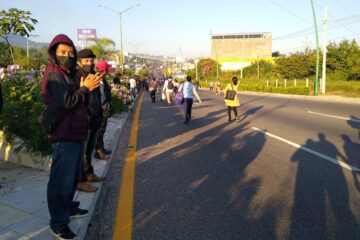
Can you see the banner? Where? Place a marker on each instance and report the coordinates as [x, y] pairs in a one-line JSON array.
[[86, 34]]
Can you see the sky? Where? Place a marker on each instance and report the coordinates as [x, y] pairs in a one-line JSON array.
[[182, 27]]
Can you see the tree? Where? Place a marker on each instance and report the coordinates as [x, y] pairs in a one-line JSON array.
[[103, 47], [207, 67], [266, 69], [17, 22]]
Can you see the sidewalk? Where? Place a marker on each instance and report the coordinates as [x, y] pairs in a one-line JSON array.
[[23, 206]]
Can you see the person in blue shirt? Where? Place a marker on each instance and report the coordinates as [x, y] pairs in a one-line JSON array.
[[188, 90]]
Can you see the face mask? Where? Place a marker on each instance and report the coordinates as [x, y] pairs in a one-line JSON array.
[[89, 68], [68, 63]]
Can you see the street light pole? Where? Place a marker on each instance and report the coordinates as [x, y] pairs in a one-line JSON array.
[[121, 42], [317, 50]]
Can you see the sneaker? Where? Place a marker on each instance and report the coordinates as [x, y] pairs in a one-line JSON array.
[[99, 154], [94, 178], [107, 151], [63, 232], [79, 213], [75, 204], [86, 187]]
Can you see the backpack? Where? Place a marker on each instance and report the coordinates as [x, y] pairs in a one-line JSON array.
[[170, 85]]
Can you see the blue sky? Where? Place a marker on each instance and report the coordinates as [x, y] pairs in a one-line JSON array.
[[163, 27]]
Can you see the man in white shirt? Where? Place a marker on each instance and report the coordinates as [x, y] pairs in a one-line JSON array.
[[132, 86], [169, 90]]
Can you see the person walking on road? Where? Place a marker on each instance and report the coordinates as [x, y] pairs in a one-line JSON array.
[[217, 87], [168, 89], [86, 62], [211, 85], [188, 90], [232, 104], [132, 83], [152, 89], [65, 120]]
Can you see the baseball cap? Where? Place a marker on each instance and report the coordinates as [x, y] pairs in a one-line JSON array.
[[86, 53], [102, 65]]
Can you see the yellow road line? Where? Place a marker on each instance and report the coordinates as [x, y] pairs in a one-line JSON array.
[[124, 212]]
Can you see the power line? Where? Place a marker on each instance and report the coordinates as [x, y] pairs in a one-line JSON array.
[[344, 7], [345, 26], [331, 25], [292, 13]]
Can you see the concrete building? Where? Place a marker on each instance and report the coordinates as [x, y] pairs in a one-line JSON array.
[[236, 51]]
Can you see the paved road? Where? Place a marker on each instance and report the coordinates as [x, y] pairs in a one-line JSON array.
[[281, 172]]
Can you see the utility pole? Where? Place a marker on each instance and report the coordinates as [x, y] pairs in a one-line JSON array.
[[317, 50], [323, 83], [258, 68]]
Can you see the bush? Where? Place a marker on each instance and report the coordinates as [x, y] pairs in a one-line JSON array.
[[270, 89], [22, 107]]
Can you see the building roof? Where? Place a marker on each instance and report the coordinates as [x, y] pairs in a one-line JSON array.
[[240, 35]]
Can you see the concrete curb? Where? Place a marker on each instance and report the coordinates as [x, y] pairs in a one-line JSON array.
[[80, 227]]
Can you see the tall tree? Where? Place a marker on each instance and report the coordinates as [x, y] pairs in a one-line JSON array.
[[17, 22]]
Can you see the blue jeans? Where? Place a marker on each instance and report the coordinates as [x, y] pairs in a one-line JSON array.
[[65, 173], [188, 102]]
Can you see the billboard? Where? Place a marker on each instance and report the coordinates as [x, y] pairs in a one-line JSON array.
[[86, 34]]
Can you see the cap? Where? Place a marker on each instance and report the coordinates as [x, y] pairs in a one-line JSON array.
[[86, 53], [102, 65]]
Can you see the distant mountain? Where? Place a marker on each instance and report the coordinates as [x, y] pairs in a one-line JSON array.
[[19, 41]]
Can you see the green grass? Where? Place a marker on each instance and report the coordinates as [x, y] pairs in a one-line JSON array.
[[333, 87]]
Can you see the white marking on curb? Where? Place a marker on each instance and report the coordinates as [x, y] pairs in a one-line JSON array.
[[333, 116], [320, 155]]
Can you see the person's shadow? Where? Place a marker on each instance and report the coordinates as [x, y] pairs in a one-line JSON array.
[[352, 153], [249, 112], [355, 123], [321, 200]]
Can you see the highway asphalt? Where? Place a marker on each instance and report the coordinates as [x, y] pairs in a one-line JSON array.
[[288, 169]]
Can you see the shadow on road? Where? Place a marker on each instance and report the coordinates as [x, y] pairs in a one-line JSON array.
[[321, 201], [355, 124], [198, 188]]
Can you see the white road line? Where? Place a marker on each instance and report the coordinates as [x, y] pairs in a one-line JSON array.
[[333, 116], [320, 155]]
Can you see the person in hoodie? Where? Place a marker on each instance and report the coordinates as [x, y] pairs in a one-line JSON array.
[[65, 120], [87, 66]]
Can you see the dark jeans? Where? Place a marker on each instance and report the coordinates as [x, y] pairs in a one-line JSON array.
[[90, 146], [188, 102], [64, 175], [152, 95], [100, 137]]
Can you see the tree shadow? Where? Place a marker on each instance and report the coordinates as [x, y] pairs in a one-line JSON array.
[[321, 200]]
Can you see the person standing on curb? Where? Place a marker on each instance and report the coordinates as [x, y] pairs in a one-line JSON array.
[[188, 89], [86, 62], [169, 90], [105, 93], [232, 104], [65, 120]]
